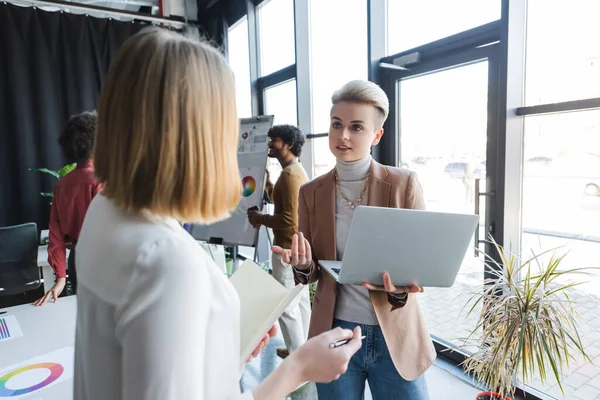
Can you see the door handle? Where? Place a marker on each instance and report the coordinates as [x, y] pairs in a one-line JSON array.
[[478, 194]]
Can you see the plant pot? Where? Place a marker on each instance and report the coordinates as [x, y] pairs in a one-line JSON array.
[[490, 396]]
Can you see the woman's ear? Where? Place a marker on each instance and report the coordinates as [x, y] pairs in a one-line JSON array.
[[377, 138]]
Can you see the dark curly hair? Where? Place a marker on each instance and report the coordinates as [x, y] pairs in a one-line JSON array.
[[290, 135], [77, 139]]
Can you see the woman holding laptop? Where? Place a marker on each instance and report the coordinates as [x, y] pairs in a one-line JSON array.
[[156, 318], [397, 349]]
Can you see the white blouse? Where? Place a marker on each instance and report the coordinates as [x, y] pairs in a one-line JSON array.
[[156, 318]]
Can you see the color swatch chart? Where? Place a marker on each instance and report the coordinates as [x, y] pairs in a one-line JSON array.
[[4, 331], [9, 328], [18, 381]]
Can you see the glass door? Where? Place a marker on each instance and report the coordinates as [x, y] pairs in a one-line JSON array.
[[445, 135]]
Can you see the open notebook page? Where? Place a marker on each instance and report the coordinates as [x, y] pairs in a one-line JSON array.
[[262, 301]]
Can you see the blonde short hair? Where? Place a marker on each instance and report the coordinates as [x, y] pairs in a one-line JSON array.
[[167, 129], [363, 92]]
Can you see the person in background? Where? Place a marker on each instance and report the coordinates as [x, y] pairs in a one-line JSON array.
[[72, 197], [397, 349], [156, 318], [285, 144]]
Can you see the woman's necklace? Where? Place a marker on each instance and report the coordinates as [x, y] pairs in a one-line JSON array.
[[351, 203]]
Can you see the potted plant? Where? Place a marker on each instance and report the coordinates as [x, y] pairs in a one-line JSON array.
[[526, 324], [57, 174]]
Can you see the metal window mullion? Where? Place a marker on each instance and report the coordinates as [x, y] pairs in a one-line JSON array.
[[565, 106], [256, 95], [512, 85], [316, 135], [283, 75], [303, 80], [377, 36], [475, 37]]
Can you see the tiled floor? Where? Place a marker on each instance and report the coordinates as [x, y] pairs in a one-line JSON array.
[[441, 383]]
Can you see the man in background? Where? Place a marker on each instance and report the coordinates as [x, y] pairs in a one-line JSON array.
[[285, 144], [72, 196]]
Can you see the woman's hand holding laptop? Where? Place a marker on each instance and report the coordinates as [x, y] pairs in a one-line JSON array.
[[390, 288]]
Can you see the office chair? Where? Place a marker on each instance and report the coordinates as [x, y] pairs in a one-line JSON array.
[[19, 271]]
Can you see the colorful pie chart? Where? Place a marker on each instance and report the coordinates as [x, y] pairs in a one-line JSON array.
[[56, 370], [248, 186]]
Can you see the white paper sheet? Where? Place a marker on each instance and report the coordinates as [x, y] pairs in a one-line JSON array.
[[252, 140]]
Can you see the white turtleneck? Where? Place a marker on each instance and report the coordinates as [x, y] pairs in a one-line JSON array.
[[353, 303]]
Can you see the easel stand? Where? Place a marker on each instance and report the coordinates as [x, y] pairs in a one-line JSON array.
[[264, 203]]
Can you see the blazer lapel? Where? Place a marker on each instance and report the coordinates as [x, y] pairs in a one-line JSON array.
[[326, 212], [379, 189]]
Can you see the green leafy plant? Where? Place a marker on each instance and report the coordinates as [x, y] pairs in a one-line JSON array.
[[57, 174], [527, 323]]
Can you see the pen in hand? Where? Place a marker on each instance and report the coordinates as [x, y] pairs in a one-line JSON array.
[[341, 342]]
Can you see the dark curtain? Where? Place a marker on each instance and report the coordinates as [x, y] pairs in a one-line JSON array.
[[51, 67], [213, 22]]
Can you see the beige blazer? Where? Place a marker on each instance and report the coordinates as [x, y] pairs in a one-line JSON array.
[[404, 329]]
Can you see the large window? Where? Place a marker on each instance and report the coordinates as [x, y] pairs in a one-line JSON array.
[[277, 44], [562, 63], [561, 166], [239, 60], [414, 23], [280, 101], [338, 55], [448, 153], [561, 210]]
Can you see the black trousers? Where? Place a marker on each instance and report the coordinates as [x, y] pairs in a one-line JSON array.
[[71, 271], [71, 285]]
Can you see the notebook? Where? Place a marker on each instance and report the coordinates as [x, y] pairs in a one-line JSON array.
[[263, 300]]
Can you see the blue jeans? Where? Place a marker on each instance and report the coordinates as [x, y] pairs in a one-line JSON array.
[[373, 363]]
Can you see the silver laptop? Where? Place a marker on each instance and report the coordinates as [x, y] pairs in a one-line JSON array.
[[415, 247]]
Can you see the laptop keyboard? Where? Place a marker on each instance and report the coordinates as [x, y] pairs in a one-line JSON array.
[[336, 270]]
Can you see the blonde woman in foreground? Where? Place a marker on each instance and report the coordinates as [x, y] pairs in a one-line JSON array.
[[156, 319], [397, 349]]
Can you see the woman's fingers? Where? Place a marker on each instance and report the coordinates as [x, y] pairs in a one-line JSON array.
[[44, 299], [294, 256], [373, 287], [277, 250], [390, 288], [415, 289], [308, 249], [387, 283], [299, 254], [260, 347], [303, 250], [283, 253], [273, 331], [338, 333], [356, 342], [301, 246]]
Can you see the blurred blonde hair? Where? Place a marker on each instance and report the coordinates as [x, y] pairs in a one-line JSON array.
[[364, 92], [167, 129]]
